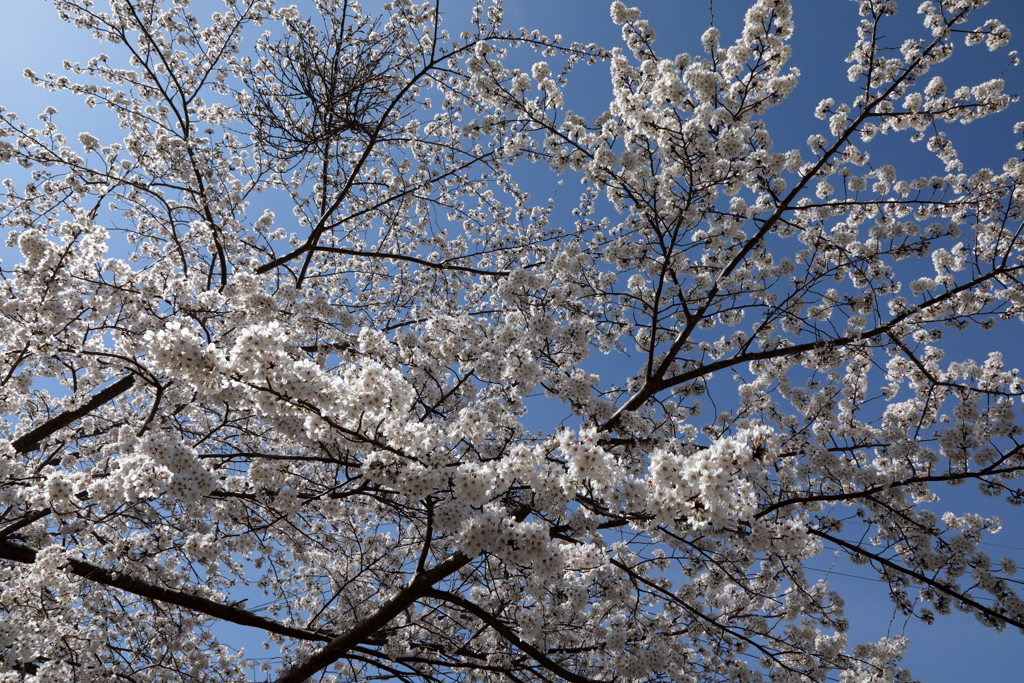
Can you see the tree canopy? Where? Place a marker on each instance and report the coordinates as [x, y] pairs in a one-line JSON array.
[[298, 349]]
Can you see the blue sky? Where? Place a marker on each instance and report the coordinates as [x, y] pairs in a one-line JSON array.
[[956, 648]]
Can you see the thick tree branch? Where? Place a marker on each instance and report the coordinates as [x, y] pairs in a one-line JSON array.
[[417, 589], [656, 384], [30, 441], [440, 265], [508, 634], [16, 552], [27, 520], [993, 470], [854, 549]]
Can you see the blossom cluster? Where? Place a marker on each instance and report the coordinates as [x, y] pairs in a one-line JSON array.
[[712, 488]]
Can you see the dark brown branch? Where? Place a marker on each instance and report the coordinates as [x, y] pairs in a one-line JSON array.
[[990, 471], [418, 588], [16, 552], [441, 265], [30, 442], [508, 634], [25, 521], [855, 549], [656, 384]]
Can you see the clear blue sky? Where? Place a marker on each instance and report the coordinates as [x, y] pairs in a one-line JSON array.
[[956, 648]]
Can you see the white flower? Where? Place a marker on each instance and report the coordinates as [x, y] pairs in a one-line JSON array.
[[922, 285], [710, 38], [90, 142], [621, 14]]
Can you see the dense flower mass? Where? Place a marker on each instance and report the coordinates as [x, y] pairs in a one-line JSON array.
[[294, 349]]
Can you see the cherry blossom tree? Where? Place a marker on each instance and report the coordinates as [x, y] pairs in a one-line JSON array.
[[294, 332]]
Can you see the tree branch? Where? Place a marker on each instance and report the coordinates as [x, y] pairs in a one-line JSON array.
[[508, 634], [17, 552], [854, 549], [30, 442], [418, 588]]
